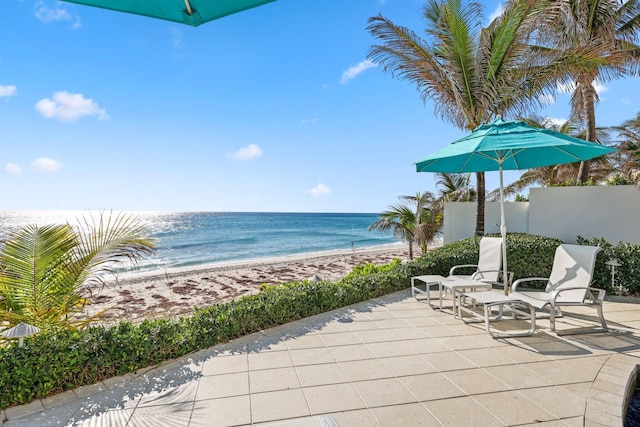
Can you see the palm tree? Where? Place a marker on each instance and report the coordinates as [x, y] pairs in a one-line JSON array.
[[419, 224], [472, 74], [629, 149], [557, 175], [609, 28], [455, 187], [46, 272]]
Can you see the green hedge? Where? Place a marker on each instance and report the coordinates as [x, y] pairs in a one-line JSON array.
[[52, 363], [527, 256], [627, 275]]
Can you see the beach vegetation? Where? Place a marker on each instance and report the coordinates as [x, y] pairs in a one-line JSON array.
[[47, 272], [418, 220], [59, 360], [455, 187], [609, 31], [562, 175], [627, 275], [474, 74], [627, 165]]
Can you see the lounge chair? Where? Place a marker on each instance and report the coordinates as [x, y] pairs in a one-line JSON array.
[[489, 262], [488, 272], [568, 285]]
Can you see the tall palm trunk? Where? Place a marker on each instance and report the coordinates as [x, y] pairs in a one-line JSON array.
[[480, 200], [589, 97]]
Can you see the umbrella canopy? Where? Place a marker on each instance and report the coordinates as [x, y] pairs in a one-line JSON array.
[[509, 145], [190, 12]]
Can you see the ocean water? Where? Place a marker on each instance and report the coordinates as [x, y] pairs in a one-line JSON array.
[[197, 238]]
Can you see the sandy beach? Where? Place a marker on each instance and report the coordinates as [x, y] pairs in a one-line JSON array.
[[171, 293]]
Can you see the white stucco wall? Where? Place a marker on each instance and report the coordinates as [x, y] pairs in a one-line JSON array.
[[460, 219], [611, 212]]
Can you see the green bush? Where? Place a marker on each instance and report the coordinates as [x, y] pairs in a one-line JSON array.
[[527, 256], [51, 363], [627, 275]]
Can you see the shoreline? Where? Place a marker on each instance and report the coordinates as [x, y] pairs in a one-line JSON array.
[[170, 293], [240, 263]]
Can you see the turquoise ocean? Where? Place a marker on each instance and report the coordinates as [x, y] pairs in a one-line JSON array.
[[188, 239]]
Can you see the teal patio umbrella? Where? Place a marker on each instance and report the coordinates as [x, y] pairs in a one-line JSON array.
[[509, 145], [190, 12]]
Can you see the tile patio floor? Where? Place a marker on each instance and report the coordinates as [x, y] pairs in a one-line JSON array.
[[392, 361]]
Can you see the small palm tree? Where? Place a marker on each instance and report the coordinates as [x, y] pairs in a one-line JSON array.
[[419, 224], [628, 162], [46, 271], [455, 187]]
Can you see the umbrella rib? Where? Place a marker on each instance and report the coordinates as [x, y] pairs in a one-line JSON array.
[[578, 159], [188, 5]]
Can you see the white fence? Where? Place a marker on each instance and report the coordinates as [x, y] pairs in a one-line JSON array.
[[612, 212]]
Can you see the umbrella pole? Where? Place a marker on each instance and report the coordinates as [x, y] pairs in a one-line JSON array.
[[503, 232]]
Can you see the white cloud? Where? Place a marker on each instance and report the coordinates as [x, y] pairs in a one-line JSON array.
[[571, 86], [496, 13], [177, 36], [310, 121], [626, 101], [554, 121], [249, 152], [46, 14], [45, 164], [13, 169], [354, 71], [7, 91], [70, 107], [547, 99], [599, 87], [319, 190]]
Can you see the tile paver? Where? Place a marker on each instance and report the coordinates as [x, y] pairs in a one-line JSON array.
[[333, 398], [384, 392], [225, 385], [389, 362], [431, 387], [273, 379], [370, 369], [278, 405], [410, 415], [461, 412], [402, 366], [227, 411], [322, 374]]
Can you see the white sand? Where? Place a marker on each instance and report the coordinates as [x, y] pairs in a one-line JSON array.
[[176, 292]]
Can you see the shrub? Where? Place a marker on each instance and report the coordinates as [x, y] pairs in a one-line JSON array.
[[51, 363], [627, 275], [527, 255]]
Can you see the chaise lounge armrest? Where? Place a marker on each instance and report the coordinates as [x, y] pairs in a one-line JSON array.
[[455, 267], [594, 294], [509, 274], [514, 288]]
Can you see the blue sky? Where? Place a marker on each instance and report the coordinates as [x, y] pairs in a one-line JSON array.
[[271, 109]]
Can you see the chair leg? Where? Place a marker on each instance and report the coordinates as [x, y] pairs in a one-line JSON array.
[[601, 316], [532, 318], [552, 318]]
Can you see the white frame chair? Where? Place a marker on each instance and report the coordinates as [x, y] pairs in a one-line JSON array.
[[489, 262], [569, 284], [488, 272]]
